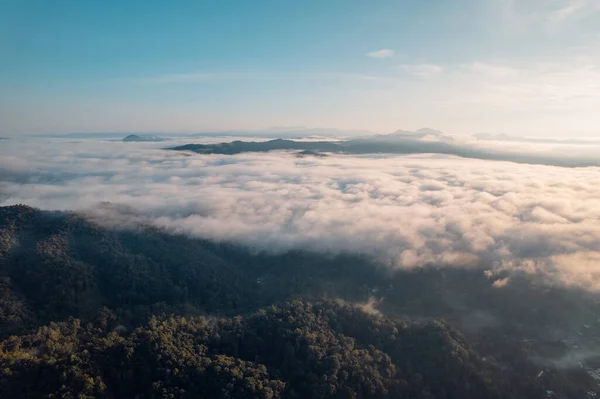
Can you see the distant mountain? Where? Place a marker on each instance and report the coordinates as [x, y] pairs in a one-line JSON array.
[[291, 132], [142, 138], [420, 142], [3, 138], [97, 135], [237, 147], [303, 132], [311, 153], [541, 140], [398, 144], [424, 134], [105, 136]]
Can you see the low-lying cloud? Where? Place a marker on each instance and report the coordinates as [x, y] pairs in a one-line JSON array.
[[407, 211]]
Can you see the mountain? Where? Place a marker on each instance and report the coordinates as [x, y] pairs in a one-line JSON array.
[[539, 140], [96, 135], [424, 134], [304, 132], [398, 144], [142, 138], [141, 312], [288, 132], [424, 141], [299, 349], [237, 147]]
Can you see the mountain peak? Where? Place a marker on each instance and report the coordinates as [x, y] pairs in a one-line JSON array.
[[423, 134], [428, 131], [142, 137]]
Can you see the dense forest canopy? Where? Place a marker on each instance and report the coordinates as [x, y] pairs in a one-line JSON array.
[[88, 311]]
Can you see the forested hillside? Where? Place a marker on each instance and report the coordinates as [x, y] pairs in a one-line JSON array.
[[56, 265], [88, 311], [296, 350]]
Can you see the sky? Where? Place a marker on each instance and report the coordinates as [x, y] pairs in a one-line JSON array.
[[519, 67]]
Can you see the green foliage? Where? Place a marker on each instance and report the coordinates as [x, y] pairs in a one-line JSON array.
[[297, 350], [90, 312]]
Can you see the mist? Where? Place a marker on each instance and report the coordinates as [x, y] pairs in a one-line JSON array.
[[405, 211]]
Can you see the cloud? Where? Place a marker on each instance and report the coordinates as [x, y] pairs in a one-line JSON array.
[[383, 53], [500, 283], [568, 10], [423, 70], [572, 10], [547, 15], [406, 211], [490, 69], [541, 97]]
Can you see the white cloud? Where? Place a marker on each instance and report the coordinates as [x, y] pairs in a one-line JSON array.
[[407, 211], [541, 97], [500, 283], [572, 10], [383, 53], [548, 15], [490, 69], [423, 70]]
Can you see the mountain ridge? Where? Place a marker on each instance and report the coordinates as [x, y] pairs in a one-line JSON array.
[[110, 313], [142, 138], [399, 144]]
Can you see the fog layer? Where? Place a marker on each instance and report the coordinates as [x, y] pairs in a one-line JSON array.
[[407, 211]]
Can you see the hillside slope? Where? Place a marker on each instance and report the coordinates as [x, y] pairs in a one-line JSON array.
[[97, 312]]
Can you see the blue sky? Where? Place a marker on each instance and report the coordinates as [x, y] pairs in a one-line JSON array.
[[528, 67]]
